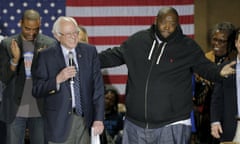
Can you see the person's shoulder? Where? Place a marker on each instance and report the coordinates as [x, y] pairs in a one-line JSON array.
[[86, 46], [187, 39], [7, 40], [210, 55], [46, 38], [16, 36], [82, 44], [142, 33], [40, 35], [211, 52], [50, 50], [190, 42]]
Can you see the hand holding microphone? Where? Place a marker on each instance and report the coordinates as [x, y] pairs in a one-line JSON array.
[[68, 72]]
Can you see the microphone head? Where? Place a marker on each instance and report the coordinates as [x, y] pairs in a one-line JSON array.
[[71, 63], [70, 57]]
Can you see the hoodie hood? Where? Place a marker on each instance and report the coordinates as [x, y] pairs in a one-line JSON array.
[[161, 42]]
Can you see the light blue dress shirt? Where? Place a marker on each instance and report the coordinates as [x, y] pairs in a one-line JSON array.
[[238, 85]]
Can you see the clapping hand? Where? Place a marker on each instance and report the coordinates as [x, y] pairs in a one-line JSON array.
[[15, 51]]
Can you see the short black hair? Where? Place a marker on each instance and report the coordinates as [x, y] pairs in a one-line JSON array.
[[166, 10], [31, 14]]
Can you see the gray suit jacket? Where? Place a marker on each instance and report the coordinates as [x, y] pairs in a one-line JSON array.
[[14, 81]]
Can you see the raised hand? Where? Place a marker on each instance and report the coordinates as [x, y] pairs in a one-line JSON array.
[[15, 51]]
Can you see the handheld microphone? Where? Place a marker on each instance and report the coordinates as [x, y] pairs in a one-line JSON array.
[[71, 62]]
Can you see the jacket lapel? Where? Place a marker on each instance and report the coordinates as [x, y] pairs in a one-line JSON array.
[[58, 55], [80, 53]]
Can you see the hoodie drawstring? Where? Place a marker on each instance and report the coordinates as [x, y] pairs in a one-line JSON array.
[[161, 52], [160, 55], [153, 46]]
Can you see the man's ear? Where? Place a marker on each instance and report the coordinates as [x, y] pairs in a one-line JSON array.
[[56, 36]]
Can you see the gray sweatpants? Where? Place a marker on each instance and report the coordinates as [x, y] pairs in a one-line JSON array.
[[172, 134]]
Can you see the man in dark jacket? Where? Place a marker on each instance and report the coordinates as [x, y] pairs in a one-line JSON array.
[[225, 104], [19, 109], [160, 62], [2, 124]]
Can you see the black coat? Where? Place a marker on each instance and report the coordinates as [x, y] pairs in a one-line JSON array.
[[224, 107]]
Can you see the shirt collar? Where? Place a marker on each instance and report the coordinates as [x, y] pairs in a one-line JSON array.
[[238, 60], [66, 51]]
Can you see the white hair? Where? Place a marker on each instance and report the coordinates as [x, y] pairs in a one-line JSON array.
[[57, 24]]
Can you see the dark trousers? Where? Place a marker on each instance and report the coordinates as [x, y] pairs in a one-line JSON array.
[[3, 131]]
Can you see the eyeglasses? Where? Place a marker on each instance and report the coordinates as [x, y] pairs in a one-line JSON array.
[[68, 35], [220, 41]]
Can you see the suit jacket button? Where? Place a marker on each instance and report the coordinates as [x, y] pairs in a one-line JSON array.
[[69, 113]]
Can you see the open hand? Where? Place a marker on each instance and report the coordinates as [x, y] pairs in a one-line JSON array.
[[98, 127], [15, 51], [216, 130], [228, 69]]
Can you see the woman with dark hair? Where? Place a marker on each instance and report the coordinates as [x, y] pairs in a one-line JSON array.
[[222, 43]]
